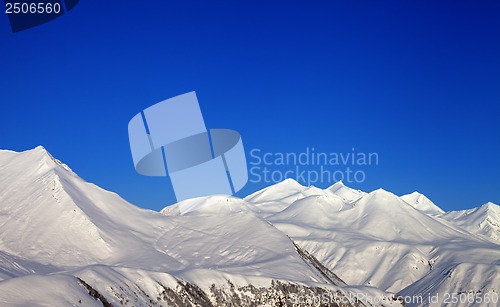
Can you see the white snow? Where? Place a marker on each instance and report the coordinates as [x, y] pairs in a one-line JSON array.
[[209, 205], [420, 202], [58, 232], [55, 227], [484, 220], [348, 194], [390, 242]]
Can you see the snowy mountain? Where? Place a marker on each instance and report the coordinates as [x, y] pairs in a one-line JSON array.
[[64, 241], [50, 215], [345, 192], [484, 220], [382, 241], [399, 244], [420, 202]]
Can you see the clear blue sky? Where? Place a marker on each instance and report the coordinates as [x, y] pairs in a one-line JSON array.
[[418, 82]]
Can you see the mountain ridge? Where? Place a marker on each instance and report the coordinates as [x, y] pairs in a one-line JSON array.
[[275, 243], [55, 228]]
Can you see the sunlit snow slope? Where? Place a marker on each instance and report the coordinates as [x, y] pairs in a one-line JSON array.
[[399, 244], [484, 220], [64, 241]]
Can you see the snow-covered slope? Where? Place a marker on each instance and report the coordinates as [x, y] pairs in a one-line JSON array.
[[484, 220], [420, 202], [348, 194], [50, 215], [209, 205], [381, 240], [376, 239], [279, 196], [458, 284], [70, 242]]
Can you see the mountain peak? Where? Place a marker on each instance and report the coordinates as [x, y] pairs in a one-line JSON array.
[[420, 202], [491, 206], [380, 192], [345, 192], [40, 148], [278, 190], [381, 197], [337, 184], [37, 160], [490, 209], [290, 181], [39, 151], [484, 220], [288, 184]]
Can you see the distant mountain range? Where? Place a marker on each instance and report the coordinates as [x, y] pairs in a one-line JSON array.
[[67, 242]]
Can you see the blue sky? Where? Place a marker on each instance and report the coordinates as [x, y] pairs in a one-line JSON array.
[[416, 82]]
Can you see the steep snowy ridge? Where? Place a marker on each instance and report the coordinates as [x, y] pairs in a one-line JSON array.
[[379, 239], [99, 249], [32, 194], [348, 194], [382, 240], [386, 216], [484, 220], [71, 242], [50, 215], [420, 202]]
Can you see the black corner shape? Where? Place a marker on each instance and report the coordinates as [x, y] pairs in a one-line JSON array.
[[26, 14]]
